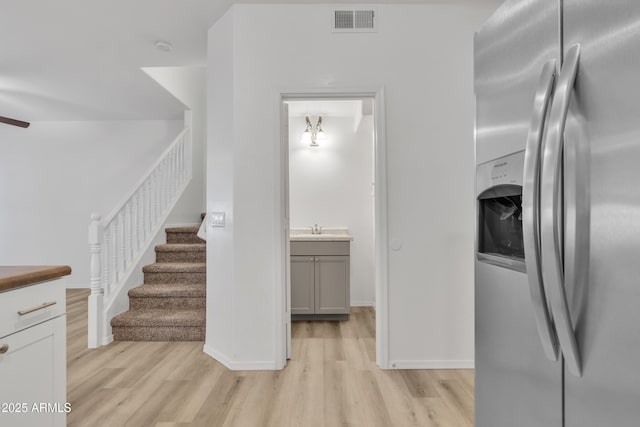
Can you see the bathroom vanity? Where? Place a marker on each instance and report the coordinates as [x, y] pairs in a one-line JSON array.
[[33, 364], [320, 268]]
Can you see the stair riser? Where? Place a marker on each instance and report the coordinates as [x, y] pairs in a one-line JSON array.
[[183, 238], [163, 305], [177, 278], [187, 256], [165, 333], [168, 303]]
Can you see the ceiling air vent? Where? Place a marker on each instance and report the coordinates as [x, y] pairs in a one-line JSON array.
[[354, 21]]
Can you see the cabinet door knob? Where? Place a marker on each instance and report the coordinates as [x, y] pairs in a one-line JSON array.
[[317, 259], [4, 348], [311, 259]]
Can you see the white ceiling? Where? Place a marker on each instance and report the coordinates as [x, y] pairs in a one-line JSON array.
[[81, 59]]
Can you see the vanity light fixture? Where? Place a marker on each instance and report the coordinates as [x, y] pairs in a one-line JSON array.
[[312, 135]]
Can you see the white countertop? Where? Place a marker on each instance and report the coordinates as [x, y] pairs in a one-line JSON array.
[[326, 235]]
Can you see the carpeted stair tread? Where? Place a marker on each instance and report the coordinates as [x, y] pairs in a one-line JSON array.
[[160, 318], [183, 235], [171, 290], [189, 253], [188, 229], [178, 267], [166, 333], [182, 247]]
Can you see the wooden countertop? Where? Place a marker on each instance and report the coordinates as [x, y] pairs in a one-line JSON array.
[[12, 277]]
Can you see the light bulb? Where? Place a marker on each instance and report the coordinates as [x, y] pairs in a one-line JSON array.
[[306, 137], [320, 136]]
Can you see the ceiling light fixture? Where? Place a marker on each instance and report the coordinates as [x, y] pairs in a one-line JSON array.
[[313, 134], [164, 46]]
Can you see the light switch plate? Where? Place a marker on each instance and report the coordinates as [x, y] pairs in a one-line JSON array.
[[216, 219]]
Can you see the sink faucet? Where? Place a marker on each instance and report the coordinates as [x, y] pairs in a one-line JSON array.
[[316, 230]]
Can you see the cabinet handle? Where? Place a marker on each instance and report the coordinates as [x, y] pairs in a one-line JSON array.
[[317, 259], [4, 348], [40, 307], [311, 259]]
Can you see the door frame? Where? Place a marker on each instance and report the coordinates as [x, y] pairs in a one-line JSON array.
[[282, 297]]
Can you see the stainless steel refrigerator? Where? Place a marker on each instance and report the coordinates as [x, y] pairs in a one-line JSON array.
[[557, 86]]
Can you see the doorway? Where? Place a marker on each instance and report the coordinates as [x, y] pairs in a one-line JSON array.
[[336, 184]]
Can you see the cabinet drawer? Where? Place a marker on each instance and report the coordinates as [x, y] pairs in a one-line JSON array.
[[37, 303], [320, 248]]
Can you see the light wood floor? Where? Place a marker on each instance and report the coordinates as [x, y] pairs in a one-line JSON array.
[[331, 381]]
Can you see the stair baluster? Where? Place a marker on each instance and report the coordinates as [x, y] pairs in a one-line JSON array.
[[119, 241], [106, 261]]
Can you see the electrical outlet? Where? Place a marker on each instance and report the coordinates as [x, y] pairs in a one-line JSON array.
[[216, 219]]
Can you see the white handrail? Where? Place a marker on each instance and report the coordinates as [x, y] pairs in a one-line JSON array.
[[118, 242]]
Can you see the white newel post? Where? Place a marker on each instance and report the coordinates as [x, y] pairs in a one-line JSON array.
[[97, 290]]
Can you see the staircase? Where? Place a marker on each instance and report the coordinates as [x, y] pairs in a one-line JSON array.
[[171, 304]]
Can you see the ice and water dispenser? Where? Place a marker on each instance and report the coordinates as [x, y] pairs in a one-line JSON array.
[[499, 210]]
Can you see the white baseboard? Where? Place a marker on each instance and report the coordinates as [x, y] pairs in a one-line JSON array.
[[210, 351], [240, 366], [363, 303], [431, 364], [107, 340]]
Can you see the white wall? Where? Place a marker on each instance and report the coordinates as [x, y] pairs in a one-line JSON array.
[[54, 174], [423, 56], [331, 186], [188, 84], [221, 325]]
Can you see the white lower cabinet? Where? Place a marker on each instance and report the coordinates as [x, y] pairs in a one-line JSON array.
[[33, 361]]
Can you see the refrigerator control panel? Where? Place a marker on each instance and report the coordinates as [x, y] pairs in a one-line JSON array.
[[506, 170]]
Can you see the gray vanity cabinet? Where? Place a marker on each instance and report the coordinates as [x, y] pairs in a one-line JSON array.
[[332, 285], [303, 284], [320, 280]]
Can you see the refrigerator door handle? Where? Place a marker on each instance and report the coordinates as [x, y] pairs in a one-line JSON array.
[[531, 211], [551, 208]]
